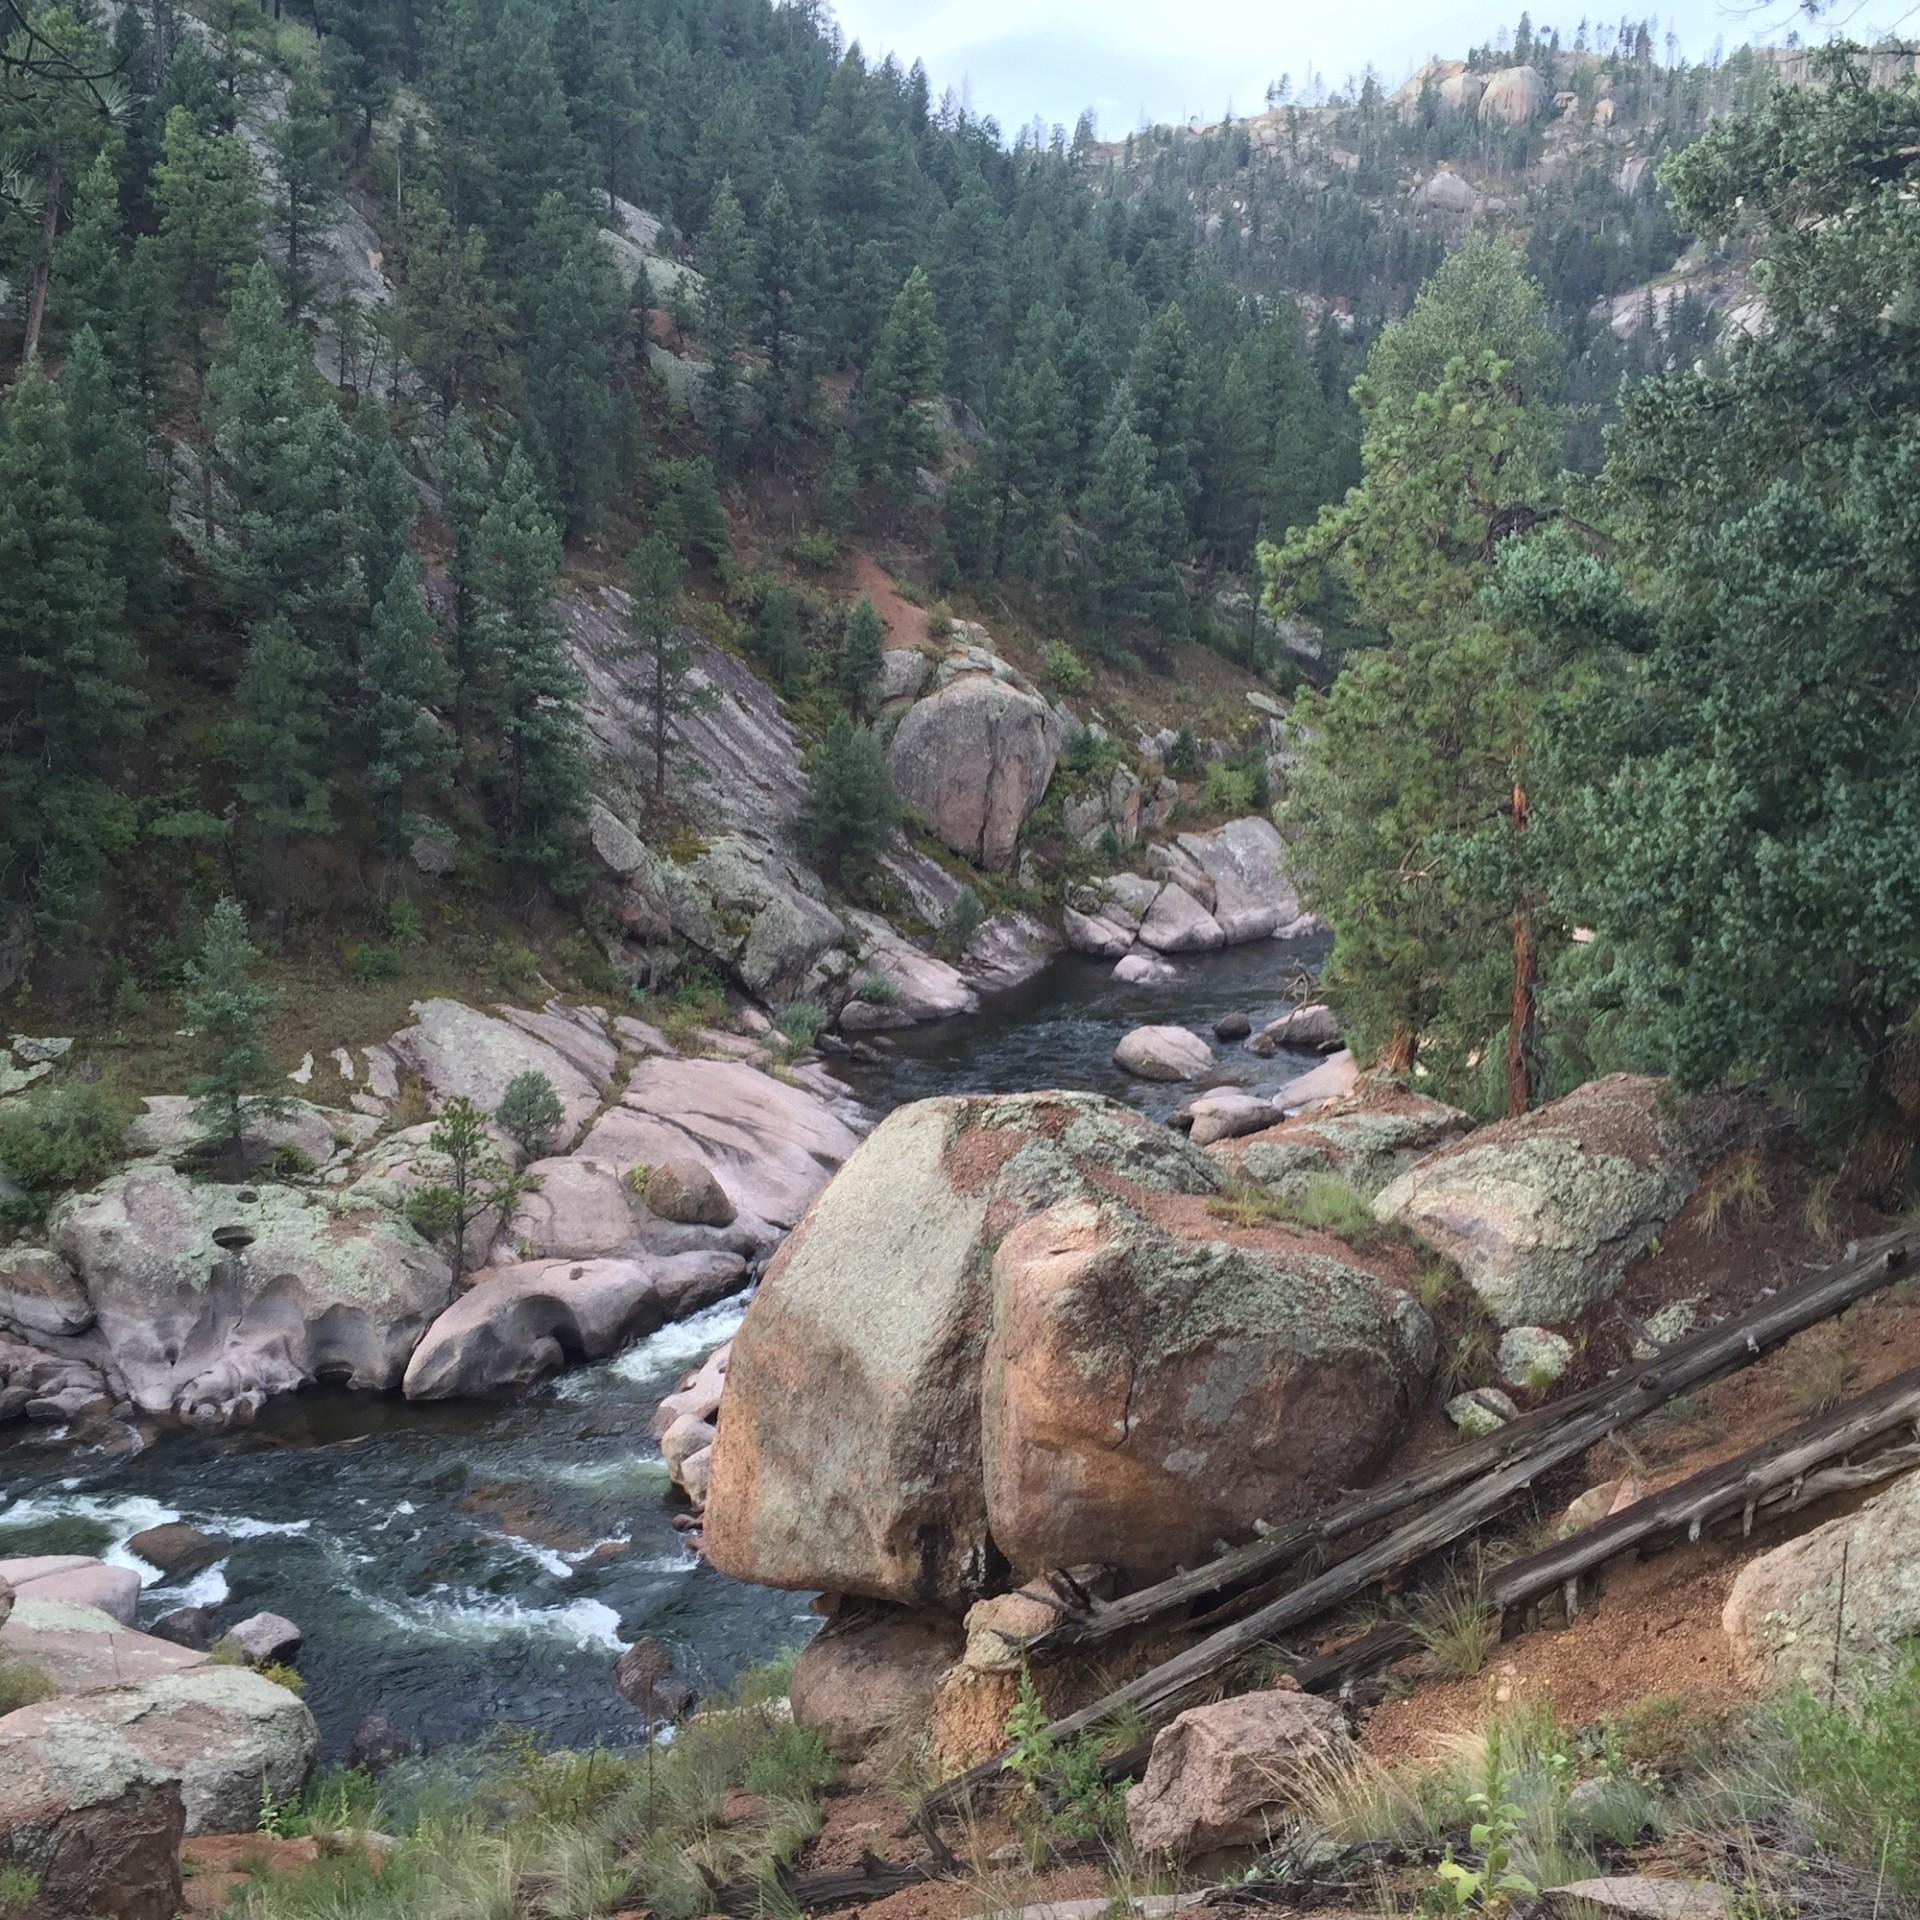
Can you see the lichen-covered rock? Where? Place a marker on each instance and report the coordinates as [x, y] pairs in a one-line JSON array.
[[320, 1293], [1367, 1138], [975, 1350], [1534, 1357], [74, 1580], [1481, 1411], [1227, 1774], [219, 1734], [82, 1650], [518, 1324], [869, 1677], [1785, 1606], [1163, 1053], [975, 758], [167, 1130], [98, 1832], [1544, 1214]]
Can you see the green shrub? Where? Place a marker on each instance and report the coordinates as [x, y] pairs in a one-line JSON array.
[[960, 923], [1855, 1763], [1063, 670], [19, 1889], [289, 1162], [940, 621], [1227, 790], [366, 963], [530, 1111], [405, 926], [876, 990], [22, 1684], [1183, 757], [815, 552], [799, 1025], [63, 1140]]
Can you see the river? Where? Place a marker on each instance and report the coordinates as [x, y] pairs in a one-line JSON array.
[[457, 1566]]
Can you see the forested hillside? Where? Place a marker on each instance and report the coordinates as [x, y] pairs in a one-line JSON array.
[[347, 338]]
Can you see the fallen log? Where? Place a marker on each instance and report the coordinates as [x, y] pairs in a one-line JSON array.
[[1691, 1363], [1495, 1474], [872, 1879]]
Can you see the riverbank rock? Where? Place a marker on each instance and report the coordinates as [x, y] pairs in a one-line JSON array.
[[72, 1579], [1367, 1137], [1143, 970], [975, 758], [1314, 1029], [99, 1834], [1338, 1074], [1785, 1606], [1178, 923], [1163, 1053], [267, 1639], [39, 1296], [1246, 863], [1227, 1115], [868, 1678], [1090, 933], [1227, 1774], [320, 1293], [217, 1734], [518, 1324], [1544, 1214], [82, 1650], [683, 1189], [919, 987], [1011, 1332]]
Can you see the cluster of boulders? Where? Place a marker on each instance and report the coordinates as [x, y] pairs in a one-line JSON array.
[[670, 1177], [134, 1740], [1031, 1333]]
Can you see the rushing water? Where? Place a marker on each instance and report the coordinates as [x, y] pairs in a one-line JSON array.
[[455, 1566]]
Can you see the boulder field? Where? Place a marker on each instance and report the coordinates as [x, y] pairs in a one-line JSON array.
[[669, 1180]]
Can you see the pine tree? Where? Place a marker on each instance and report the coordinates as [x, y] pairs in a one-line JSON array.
[[535, 697], [228, 1010], [851, 808], [451, 324], [780, 311], [89, 277], [656, 574], [68, 672], [284, 457], [306, 182], [897, 436], [360, 62], [970, 291], [858, 665], [1134, 584], [279, 736], [209, 228], [578, 307], [385, 505], [409, 757], [466, 490], [478, 1186], [1163, 386], [112, 477], [728, 321]]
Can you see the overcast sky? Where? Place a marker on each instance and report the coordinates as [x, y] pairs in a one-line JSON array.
[[1173, 58]]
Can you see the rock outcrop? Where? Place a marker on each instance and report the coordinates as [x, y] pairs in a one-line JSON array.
[[213, 1734], [458, 1050], [517, 1324], [312, 1291], [1010, 1332], [1544, 1214], [1514, 97], [1367, 1137], [1786, 1606], [975, 758], [99, 1833]]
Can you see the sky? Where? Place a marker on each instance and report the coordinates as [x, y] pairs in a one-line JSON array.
[[1170, 59]]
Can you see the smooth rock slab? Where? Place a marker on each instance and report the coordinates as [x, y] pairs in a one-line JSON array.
[[82, 1650], [518, 1324], [1178, 923], [458, 1050], [76, 1580]]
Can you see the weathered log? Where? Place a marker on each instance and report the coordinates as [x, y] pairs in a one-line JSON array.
[[872, 1879], [1496, 1473], [1691, 1363]]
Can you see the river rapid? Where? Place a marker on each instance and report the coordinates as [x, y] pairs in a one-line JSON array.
[[459, 1566]]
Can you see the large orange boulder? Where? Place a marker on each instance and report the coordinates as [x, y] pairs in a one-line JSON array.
[[1012, 1335]]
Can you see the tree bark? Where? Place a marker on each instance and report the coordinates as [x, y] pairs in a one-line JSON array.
[[1401, 1049], [43, 266], [1523, 1040]]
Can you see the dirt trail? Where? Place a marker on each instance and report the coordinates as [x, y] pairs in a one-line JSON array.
[[905, 623]]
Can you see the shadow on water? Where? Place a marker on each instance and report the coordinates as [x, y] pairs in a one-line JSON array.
[[456, 1566]]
